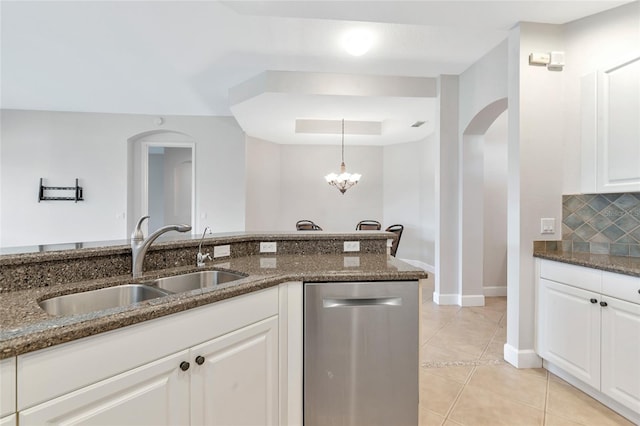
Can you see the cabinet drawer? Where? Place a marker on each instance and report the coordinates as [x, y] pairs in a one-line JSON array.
[[576, 276], [620, 286]]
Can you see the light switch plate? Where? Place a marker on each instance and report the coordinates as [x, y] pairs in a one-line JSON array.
[[270, 247], [352, 246], [547, 225], [221, 251]]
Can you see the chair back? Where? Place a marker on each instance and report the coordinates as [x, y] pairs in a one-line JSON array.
[[368, 225], [307, 225], [396, 229]]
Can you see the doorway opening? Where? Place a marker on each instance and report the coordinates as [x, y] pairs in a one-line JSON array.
[[161, 180]]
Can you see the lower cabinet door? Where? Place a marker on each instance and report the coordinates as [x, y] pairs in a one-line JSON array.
[[621, 352], [569, 330], [9, 420], [235, 377], [153, 394]]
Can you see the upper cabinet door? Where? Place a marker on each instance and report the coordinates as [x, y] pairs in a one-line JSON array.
[[611, 129]]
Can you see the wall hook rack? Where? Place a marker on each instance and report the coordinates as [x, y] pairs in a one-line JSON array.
[[77, 197]]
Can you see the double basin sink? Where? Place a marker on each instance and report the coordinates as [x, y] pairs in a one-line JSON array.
[[128, 294]]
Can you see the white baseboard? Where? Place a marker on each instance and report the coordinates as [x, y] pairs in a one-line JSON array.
[[445, 299], [421, 265], [525, 358], [495, 291], [473, 300], [634, 417]]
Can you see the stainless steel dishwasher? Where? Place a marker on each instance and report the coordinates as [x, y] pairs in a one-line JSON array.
[[361, 353]]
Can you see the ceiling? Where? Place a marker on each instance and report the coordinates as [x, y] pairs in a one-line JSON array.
[[183, 58]]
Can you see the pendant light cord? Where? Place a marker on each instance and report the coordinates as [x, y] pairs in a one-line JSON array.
[[343, 140]]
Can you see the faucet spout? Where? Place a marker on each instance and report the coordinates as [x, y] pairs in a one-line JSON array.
[[140, 245]]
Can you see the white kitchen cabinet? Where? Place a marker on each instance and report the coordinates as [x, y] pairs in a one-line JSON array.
[[588, 327], [234, 380], [610, 132], [621, 351], [7, 387], [154, 394], [569, 330], [11, 420]]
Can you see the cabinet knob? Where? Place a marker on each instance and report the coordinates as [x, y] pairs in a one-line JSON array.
[[199, 360], [603, 303], [594, 300], [184, 366]]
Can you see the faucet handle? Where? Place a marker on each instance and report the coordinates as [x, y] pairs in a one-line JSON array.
[[200, 258], [137, 234]]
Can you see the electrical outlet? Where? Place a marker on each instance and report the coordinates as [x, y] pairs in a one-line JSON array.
[[352, 246], [221, 251], [268, 247], [547, 225]]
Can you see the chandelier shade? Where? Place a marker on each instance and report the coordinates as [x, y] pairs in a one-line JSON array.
[[344, 180]]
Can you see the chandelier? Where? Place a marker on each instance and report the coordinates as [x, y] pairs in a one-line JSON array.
[[344, 180]]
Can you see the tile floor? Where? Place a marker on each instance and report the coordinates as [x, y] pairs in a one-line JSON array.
[[465, 381]]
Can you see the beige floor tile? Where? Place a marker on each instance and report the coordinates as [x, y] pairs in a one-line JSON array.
[[437, 393], [429, 418], [566, 401], [553, 420], [459, 374], [465, 343], [496, 303], [495, 350], [449, 422], [431, 352], [512, 384], [478, 406], [481, 313], [538, 372]]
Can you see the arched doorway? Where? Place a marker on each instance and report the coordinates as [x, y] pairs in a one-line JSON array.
[[161, 179], [472, 205]]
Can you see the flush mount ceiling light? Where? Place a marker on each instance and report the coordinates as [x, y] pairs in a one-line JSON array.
[[358, 42], [344, 180]]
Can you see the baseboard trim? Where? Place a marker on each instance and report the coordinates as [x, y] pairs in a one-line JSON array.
[[594, 393], [495, 291], [526, 358], [445, 299], [421, 265], [472, 300]]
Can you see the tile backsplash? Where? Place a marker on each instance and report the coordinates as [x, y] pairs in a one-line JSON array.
[[602, 223]]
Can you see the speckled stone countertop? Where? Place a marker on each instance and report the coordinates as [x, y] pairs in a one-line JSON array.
[[618, 264], [25, 327]]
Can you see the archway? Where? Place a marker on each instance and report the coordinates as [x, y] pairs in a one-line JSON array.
[[161, 179], [472, 180]]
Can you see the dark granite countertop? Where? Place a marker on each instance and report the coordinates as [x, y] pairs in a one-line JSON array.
[[618, 264], [25, 327]]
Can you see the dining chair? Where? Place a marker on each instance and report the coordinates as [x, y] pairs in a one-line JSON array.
[[368, 225], [307, 225], [396, 229]]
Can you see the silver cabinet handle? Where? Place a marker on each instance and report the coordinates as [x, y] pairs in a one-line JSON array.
[[373, 301]]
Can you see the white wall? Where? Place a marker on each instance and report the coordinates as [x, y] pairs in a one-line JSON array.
[[305, 193], [409, 198], [495, 205], [263, 205], [60, 146]]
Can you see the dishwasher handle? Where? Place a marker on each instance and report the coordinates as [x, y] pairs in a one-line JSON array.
[[364, 301]]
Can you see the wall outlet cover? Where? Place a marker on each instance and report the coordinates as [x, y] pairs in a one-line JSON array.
[[221, 251], [270, 247], [352, 246]]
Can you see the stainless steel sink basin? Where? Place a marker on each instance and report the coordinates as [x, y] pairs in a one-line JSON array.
[[195, 280], [97, 300]]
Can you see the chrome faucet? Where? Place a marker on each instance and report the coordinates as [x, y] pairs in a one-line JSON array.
[[140, 245], [200, 258]]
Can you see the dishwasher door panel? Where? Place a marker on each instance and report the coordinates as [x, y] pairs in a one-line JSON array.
[[361, 354]]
